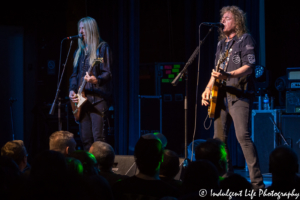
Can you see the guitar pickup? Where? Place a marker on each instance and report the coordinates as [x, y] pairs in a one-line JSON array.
[[97, 61]]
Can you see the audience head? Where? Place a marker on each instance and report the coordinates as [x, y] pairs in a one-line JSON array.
[[148, 154], [162, 138], [214, 151], [200, 174], [16, 150], [235, 183], [74, 166], [104, 154], [170, 165], [283, 161], [63, 142], [88, 161]]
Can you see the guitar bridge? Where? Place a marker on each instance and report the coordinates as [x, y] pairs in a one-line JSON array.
[[75, 111]]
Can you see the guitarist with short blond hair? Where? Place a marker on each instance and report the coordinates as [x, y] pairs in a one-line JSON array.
[[90, 84], [229, 92]]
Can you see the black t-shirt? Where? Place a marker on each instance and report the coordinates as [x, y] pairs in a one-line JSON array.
[[111, 177], [242, 52], [136, 188]]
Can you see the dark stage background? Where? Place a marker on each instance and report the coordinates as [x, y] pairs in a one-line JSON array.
[[139, 33]]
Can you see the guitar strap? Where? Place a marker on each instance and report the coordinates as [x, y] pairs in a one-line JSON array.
[[229, 54], [98, 53]]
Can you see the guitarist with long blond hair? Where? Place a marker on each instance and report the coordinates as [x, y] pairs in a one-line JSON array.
[[235, 88], [94, 81]]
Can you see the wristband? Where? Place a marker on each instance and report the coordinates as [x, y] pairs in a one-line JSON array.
[[228, 76], [208, 88]]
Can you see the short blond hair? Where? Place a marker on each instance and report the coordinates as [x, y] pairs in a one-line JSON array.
[[59, 140], [14, 149]]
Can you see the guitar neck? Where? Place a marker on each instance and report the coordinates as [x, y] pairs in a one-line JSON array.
[[84, 81]]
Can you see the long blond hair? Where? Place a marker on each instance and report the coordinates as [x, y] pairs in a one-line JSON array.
[[92, 39], [240, 20]]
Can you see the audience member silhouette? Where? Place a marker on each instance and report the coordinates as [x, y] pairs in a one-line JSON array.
[[236, 183], [162, 138], [214, 151], [98, 186], [170, 168], [16, 150], [105, 156], [200, 174], [283, 164], [49, 178], [88, 161], [10, 177], [146, 184], [74, 166], [63, 142]]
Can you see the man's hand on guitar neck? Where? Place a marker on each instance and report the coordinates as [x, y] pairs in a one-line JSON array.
[[73, 96], [220, 75], [90, 79]]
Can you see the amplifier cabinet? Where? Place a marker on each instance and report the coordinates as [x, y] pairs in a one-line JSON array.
[[293, 77], [293, 101], [291, 133], [264, 134], [150, 114]]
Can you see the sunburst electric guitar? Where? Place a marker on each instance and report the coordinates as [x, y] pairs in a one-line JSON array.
[[76, 107], [214, 92]]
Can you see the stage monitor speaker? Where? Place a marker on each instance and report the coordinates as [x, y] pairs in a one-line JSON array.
[[125, 165], [290, 131], [264, 135], [179, 174]]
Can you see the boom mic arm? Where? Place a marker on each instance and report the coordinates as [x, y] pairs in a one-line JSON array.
[[179, 76]]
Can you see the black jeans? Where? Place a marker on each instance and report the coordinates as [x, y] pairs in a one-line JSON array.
[[91, 124], [238, 112]]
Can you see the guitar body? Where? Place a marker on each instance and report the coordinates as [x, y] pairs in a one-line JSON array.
[[213, 99], [215, 89], [76, 107]]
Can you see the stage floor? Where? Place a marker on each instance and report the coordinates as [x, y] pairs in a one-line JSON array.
[[267, 176]]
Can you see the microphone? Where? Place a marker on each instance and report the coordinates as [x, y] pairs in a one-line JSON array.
[[215, 24], [12, 99], [74, 37]]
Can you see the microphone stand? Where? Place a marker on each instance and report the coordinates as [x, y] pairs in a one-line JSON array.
[[51, 112], [175, 82], [11, 101], [279, 132]]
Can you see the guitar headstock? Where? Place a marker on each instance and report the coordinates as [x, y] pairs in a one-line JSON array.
[[222, 57]]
